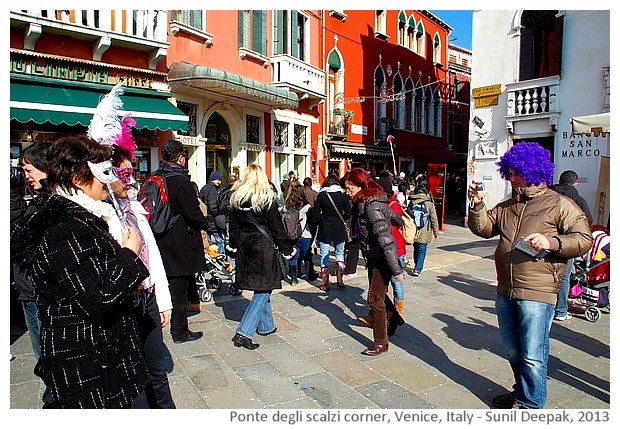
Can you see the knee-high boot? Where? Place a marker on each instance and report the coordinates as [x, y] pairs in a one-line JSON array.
[[339, 273], [292, 269], [312, 275], [325, 278], [394, 318], [400, 305]]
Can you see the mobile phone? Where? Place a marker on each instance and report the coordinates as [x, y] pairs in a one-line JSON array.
[[479, 186], [524, 246]]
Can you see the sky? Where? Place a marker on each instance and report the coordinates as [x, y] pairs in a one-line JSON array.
[[460, 21]]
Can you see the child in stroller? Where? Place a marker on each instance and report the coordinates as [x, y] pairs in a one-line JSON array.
[[590, 281], [218, 271]]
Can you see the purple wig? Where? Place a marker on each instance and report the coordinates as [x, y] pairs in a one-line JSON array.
[[530, 160]]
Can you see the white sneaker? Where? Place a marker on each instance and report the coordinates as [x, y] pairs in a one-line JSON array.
[[567, 317]]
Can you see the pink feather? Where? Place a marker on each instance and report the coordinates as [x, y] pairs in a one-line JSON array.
[[125, 140]]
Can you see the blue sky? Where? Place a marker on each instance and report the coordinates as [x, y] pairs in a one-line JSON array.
[[460, 21]]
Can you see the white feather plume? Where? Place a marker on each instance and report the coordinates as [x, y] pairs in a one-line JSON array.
[[105, 124]]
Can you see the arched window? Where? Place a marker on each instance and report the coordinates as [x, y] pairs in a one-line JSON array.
[[541, 44], [380, 86], [402, 25], [419, 39], [437, 49], [409, 96], [417, 109], [335, 88], [398, 108], [428, 112], [411, 33], [437, 107]]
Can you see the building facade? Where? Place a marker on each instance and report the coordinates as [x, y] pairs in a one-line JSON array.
[[63, 61], [534, 71]]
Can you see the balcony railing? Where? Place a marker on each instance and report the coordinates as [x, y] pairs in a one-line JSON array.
[[533, 99], [339, 129], [144, 30], [297, 76]]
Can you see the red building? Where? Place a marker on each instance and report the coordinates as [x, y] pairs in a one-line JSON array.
[[387, 75]]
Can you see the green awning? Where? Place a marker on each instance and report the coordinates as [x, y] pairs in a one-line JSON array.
[[56, 101], [183, 76]]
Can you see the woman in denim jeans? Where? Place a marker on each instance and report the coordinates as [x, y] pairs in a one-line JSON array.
[[330, 201], [254, 208]]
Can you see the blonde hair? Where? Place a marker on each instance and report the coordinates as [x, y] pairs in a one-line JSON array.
[[253, 187]]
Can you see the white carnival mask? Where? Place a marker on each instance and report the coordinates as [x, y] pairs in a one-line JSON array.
[[103, 171]]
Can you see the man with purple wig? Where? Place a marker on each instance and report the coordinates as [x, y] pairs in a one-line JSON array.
[[554, 229]]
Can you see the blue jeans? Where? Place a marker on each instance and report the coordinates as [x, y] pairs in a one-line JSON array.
[[303, 245], [31, 314], [419, 254], [524, 327], [561, 306], [257, 316], [324, 249], [397, 285]]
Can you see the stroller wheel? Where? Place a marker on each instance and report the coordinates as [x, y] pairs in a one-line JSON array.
[[204, 294], [233, 289], [592, 314]]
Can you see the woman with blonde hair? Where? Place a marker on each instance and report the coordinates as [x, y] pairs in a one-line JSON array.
[[254, 224]]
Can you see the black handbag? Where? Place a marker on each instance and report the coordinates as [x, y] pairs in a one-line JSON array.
[[282, 262]]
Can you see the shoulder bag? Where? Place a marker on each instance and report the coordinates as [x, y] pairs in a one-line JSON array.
[[282, 263], [346, 226]]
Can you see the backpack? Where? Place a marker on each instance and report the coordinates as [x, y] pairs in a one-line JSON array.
[[153, 196], [420, 214], [409, 230], [292, 223]]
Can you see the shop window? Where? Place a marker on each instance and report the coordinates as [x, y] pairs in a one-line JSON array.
[[300, 136], [280, 133], [252, 129]]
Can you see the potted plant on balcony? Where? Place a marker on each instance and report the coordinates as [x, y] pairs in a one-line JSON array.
[[347, 115]]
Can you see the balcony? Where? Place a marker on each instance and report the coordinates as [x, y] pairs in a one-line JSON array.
[[307, 81], [533, 99], [143, 30], [338, 129]]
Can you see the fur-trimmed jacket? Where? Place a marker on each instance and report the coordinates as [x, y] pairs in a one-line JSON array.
[[373, 220], [84, 286]]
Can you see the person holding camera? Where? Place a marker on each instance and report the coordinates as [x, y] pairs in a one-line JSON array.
[[528, 281]]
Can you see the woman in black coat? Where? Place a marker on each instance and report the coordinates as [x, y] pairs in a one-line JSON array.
[[84, 283], [331, 209], [253, 202], [375, 225]]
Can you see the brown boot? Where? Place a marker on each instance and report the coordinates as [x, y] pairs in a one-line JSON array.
[[366, 320], [400, 305], [325, 279], [339, 274]]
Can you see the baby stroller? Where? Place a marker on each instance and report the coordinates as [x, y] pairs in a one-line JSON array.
[[218, 272], [590, 281]]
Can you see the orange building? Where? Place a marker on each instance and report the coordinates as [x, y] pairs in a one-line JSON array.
[[250, 82]]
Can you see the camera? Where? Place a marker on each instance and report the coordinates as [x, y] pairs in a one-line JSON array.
[[479, 186]]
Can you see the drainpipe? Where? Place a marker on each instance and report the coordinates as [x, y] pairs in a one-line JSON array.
[[322, 147]]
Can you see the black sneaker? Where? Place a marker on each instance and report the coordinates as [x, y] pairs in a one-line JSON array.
[[504, 401]]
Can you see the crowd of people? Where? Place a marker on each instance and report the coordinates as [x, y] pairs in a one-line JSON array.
[[98, 286]]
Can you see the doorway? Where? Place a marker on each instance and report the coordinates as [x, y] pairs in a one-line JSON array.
[[218, 149]]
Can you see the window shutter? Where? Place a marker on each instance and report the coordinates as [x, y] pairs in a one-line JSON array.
[[294, 34], [526, 57], [278, 32], [197, 19], [556, 67], [240, 29]]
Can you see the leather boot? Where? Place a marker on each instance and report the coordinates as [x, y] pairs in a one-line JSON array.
[[312, 275], [394, 318], [339, 274], [325, 279], [292, 269], [400, 305]]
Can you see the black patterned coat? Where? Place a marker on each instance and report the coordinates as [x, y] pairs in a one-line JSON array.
[[84, 284]]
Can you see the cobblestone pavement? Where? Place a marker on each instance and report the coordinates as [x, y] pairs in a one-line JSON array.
[[448, 355]]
